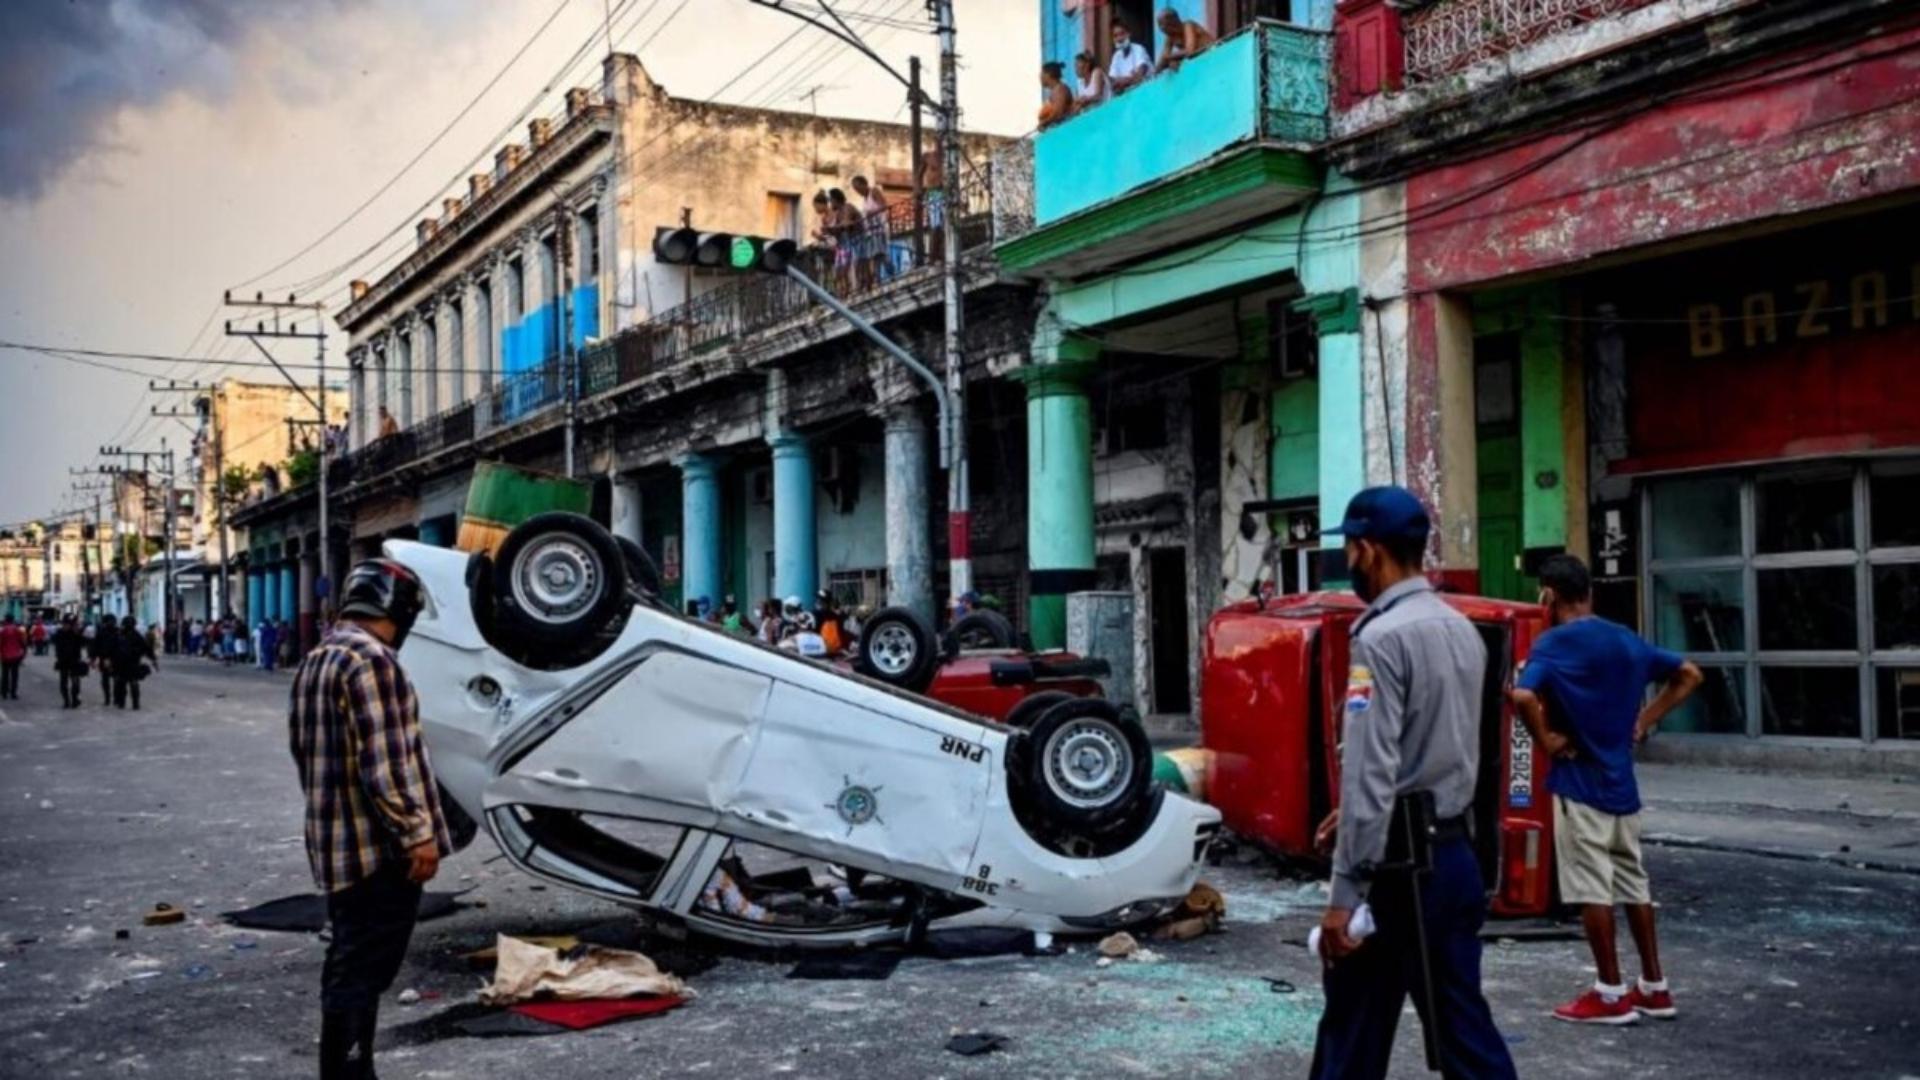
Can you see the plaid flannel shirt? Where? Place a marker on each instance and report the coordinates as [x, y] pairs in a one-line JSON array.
[[355, 733]]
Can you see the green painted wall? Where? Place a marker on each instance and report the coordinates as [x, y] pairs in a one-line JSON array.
[[1295, 471], [1534, 313]]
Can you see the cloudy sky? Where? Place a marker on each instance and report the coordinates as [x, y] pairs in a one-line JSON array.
[[155, 152]]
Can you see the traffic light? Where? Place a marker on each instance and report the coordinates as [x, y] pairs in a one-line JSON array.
[[722, 251]]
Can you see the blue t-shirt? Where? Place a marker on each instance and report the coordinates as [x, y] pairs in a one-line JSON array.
[[1593, 676]]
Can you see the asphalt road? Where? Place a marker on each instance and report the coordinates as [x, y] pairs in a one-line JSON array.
[[1781, 968]]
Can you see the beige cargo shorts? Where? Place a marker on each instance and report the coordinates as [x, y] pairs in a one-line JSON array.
[[1599, 855]]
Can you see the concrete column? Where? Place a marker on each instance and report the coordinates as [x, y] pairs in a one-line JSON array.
[[256, 602], [909, 529], [269, 591], [625, 507], [1060, 539], [796, 560], [1343, 451], [700, 573], [289, 590], [1442, 450]]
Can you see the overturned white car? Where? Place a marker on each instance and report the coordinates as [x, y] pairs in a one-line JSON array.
[[618, 748]]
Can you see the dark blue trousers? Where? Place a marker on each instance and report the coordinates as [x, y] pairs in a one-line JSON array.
[[1366, 990]]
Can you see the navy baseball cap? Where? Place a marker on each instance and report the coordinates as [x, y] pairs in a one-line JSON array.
[[1384, 513]]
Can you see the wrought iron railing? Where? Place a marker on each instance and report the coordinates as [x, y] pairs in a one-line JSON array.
[[1447, 36]]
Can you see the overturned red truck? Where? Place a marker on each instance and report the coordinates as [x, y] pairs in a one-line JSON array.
[[1274, 675]]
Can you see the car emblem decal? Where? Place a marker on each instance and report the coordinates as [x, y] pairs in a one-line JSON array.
[[857, 804]]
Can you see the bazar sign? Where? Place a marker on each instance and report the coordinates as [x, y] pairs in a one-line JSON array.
[[1804, 311]]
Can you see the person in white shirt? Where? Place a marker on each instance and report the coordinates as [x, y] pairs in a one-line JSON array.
[[1131, 65], [1094, 89]]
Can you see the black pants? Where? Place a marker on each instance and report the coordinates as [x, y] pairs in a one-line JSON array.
[[372, 923], [1366, 990], [10, 679], [123, 688], [106, 687], [70, 688]]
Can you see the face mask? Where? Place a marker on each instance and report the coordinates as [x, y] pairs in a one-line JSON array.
[[1362, 580]]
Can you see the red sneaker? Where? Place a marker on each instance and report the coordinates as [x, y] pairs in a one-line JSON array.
[[1657, 1004], [1591, 1008]]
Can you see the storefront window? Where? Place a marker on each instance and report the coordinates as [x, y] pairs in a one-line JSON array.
[[1804, 513], [1819, 701], [1700, 611], [1696, 518], [1896, 606], [1719, 707], [1808, 609], [1899, 695], [1894, 491]]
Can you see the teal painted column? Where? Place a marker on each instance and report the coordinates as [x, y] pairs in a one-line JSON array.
[[269, 592], [796, 561], [1343, 449], [700, 526], [289, 590], [1059, 488], [255, 601]]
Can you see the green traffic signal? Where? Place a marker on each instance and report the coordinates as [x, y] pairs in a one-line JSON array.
[[745, 254]]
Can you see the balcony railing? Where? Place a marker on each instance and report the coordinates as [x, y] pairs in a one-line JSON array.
[[1447, 36], [1265, 83]]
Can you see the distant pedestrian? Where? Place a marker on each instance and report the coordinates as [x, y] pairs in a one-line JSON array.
[[731, 618], [134, 658], [1580, 695], [69, 661], [266, 645], [768, 631], [1409, 763], [100, 649], [37, 633], [375, 829], [388, 425], [13, 650]]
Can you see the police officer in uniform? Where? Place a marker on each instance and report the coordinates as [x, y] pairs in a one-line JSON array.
[[1410, 751]]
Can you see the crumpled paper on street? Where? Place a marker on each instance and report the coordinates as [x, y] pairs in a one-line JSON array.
[[529, 972]]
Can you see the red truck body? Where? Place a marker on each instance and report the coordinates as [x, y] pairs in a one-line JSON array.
[[969, 681], [1273, 679]]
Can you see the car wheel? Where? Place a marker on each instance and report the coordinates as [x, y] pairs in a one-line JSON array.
[[461, 828], [641, 572], [978, 630], [1083, 767], [897, 647], [1022, 715], [559, 582]]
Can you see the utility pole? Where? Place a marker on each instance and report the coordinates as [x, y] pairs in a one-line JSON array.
[[272, 328], [569, 358], [169, 600], [207, 410], [915, 98], [959, 516]]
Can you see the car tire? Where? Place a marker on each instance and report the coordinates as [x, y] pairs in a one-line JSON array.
[[1022, 716], [1083, 767], [897, 647], [559, 582], [461, 828], [641, 571], [981, 629]]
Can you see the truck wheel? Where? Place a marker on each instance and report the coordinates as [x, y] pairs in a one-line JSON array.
[[1082, 767], [981, 629], [559, 581], [641, 572], [1022, 716], [897, 647]]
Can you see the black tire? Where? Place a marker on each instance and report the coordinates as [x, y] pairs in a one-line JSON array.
[[480, 593], [461, 828], [559, 582], [1022, 716], [641, 572], [981, 629], [1083, 767], [897, 647]]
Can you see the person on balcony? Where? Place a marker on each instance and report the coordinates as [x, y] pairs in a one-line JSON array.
[[823, 236], [388, 425], [845, 225], [1094, 87], [1058, 103], [878, 233], [1185, 37], [1131, 65]]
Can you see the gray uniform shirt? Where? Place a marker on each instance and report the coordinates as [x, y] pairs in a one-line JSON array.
[[1412, 716]]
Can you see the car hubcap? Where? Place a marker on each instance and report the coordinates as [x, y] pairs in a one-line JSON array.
[[556, 580], [1088, 763], [892, 650]]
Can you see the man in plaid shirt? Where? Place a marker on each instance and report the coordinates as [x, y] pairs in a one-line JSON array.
[[375, 829]]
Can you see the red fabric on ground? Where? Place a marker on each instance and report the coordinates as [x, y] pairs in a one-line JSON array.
[[580, 1015]]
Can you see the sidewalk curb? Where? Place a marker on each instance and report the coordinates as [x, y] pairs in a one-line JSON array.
[[1834, 859]]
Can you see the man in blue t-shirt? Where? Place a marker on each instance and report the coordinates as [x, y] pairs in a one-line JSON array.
[[1590, 677]]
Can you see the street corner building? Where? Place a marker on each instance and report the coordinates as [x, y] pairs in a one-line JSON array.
[[1631, 279]]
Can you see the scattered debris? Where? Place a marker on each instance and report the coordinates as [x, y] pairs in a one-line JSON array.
[[122, 935], [1278, 985], [581, 1015], [974, 1043], [872, 964], [409, 996], [46, 804], [1200, 913], [197, 971], [527, 971], [307, 912], [1118, 946], [487, 957], [163, 915]]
